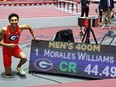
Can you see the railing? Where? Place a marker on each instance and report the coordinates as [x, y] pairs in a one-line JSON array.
[[26, 2], [69, 5]]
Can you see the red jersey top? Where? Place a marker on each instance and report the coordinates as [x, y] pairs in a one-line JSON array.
[[11, 37]]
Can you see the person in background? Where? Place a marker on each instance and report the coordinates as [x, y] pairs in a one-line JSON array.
[[85, 7], [100, 12], [106, 7], [84, 12], [9, 40]]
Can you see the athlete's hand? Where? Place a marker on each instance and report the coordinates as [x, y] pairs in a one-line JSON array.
[[37, 39], [11, 45]]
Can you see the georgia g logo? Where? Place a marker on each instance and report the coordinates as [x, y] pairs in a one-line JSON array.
[[13, 37], [43, 64]]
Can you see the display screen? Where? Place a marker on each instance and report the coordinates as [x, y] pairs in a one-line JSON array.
[[76, 59]]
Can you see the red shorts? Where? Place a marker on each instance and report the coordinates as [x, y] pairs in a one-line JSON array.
[[8, 54]]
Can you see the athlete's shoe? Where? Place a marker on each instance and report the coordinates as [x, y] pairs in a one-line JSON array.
[[109, 27], [103, 27], [21, 71]]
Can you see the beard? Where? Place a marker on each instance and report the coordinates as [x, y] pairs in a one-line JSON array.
[[13, 25]]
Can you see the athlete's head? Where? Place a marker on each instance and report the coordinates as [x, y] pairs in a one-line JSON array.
[[13, 20], [13, 15]]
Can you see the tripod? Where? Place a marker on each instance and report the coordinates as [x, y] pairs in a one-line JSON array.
[[87, 35], [88, 23]]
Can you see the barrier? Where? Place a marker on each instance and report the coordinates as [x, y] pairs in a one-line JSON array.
[[26, 2], [73, 59], [68, 4]]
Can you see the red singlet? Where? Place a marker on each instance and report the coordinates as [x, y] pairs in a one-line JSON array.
[[11, 37]]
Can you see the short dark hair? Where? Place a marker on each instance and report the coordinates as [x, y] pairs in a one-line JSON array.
[[13, 14]]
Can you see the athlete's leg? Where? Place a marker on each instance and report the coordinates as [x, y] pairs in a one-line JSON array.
[[7, 64], [21, 55], [8, 71]]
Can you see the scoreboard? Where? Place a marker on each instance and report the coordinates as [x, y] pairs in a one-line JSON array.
[[73, 59]]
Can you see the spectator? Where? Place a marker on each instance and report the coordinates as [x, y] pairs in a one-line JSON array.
[[85, 7], [106, 7]]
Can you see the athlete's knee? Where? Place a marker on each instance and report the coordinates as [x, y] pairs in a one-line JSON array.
[[22, 55], [7, 64], [24, 58]]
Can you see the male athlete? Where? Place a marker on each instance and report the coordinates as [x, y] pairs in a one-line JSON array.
[[9, 40]]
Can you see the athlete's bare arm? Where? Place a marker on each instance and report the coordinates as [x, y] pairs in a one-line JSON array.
[[28, 27], [2, 34]]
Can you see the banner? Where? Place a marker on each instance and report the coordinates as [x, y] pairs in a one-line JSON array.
[[74, 59]]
